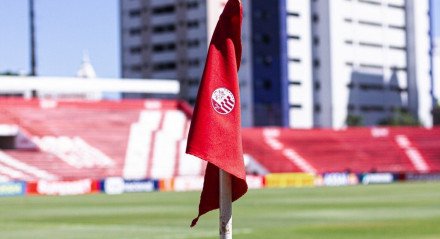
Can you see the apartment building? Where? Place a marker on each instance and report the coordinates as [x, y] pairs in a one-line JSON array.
[[168, 39], [318, 62], [306, 63]]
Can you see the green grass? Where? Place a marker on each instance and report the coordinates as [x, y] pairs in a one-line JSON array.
[[383, 211]]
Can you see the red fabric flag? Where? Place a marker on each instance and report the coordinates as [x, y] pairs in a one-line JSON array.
[[215, 132]]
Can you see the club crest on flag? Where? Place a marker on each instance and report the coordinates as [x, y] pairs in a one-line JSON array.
[[223, 101]]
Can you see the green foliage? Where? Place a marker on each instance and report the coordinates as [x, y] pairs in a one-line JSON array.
[[436, 115], [400, 118], [395, 211], [9, 73], [354, 120]]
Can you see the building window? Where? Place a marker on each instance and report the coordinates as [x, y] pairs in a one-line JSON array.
[[261, 14], [316, 62], [193, 62], [401, 48], [296, 106], [390, 5], [315, 18], [397, 27], [370, 2], [264, 60], [134, 13], [164, 66], [316, 40], [193, 82], [135, 50], [372, 108], [317, 85], [370, 23], [193, 43], [396, 68], [264, 83], [371, 86], [192, 24], [372, 66], [267, 84], [293, 14], [368, 44], [164, 28], [136, 68], [192, 101], [263, 38], [267, 60], [135, 31], [171, 46], [317, 108], [166, 9], [294, 37], [193, 4]]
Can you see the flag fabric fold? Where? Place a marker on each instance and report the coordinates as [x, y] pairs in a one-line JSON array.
[[215, 131]]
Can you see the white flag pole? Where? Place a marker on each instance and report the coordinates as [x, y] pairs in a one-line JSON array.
[[225, 220], [225, 223]]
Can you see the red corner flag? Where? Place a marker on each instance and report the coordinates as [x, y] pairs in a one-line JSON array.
[[215, 132]]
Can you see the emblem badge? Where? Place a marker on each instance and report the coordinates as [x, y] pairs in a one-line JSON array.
[[223, 101]]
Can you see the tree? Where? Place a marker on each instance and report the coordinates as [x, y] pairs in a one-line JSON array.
[[8, 73], [436, 115], [400, 118], [354, 120]]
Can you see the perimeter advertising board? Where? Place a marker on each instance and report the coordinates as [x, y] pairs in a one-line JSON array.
[[117, 185], [376, 178], [281, 180], [8, 189], [63, 188]]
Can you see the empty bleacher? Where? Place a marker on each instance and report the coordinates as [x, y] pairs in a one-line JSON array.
[[134, 139], [355, 149], [147, 139]]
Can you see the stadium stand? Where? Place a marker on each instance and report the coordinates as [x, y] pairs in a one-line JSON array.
[[77, 139], [357, 150], [136, 139]]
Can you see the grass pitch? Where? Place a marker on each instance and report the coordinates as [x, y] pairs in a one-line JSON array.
[[410, 210]]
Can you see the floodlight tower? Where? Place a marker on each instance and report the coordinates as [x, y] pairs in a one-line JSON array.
[[32, 38]]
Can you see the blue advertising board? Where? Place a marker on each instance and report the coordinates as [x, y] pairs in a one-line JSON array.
[[9, 189], [117, 185]]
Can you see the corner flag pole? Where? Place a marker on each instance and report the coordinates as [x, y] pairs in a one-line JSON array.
[[215, 131], [225, 223]]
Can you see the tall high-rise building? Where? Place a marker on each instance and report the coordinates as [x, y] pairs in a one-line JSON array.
[[168, 39], [281, 65], [317, 63], [306, 63]]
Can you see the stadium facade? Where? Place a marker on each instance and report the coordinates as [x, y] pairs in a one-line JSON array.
[[306, 63]]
